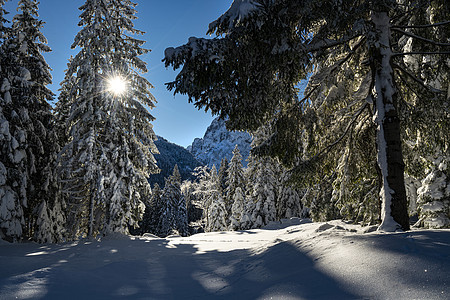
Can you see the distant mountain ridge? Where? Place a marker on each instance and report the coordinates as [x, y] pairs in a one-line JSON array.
[[218, 143], [171, 154]]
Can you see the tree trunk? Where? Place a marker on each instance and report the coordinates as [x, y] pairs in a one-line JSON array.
[[390, 158], [91, 215]]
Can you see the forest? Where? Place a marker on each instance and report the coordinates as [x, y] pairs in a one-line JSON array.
[[367, 141]]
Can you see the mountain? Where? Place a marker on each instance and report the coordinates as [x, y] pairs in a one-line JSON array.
[[171, 154], [218, 143]]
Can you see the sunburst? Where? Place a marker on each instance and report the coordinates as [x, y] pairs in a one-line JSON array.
[[116, 85]]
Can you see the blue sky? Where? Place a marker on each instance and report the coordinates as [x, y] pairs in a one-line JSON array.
[[167, 24]]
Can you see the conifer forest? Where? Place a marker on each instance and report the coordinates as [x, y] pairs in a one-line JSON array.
[[347, 104]]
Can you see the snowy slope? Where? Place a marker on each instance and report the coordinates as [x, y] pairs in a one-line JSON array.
[[218, 143], [308, 261]]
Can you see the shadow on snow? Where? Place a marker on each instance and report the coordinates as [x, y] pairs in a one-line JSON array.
[[157, 269]]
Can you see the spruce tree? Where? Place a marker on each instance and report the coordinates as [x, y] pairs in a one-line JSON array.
[[29, 139], [179, 203], [234, 180], [238, 210], [12, 187], [173, 211], [263, 193], [357, 96], [223, 174], [151, 215], [214, 206], [108, 157]]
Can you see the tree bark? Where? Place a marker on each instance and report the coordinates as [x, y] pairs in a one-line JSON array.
[[390, 158]]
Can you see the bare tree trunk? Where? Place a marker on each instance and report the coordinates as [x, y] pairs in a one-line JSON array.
[[390, 158]]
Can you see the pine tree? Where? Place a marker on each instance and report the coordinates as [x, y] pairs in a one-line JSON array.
[[11, 170], [289, 202], [234, 180], [30, 142], [108, 157], [215, 209], [180, 207], [152, 209], [264, 193], [434, 196], [173, 211], [223, 174], [359, 86], [238, 210]]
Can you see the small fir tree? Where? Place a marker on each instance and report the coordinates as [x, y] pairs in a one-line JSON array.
[[235, 179], [215, 209]]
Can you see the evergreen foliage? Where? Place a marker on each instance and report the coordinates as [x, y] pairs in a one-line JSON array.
[[172, 213], [29, 206], [358, 94], [215, 209], [108, 156], [234, 180]]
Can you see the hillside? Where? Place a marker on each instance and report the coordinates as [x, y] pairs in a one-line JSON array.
[[295, 260], [171, 154]]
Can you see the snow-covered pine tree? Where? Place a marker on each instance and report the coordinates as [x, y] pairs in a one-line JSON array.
[[235, 179], [288, 202], [264, 193], [434, 196], [108, 157], [31, 143], [172, 213], [180, 207], [214, 207], [152, 208], [11, 208], [223, 174], [238, 211], [358, 87], [44, 185]]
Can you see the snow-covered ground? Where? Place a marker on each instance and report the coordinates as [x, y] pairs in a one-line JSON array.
[[331, 260]]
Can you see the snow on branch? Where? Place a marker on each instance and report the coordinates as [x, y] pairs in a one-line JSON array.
[[238, 12], [210, 48]]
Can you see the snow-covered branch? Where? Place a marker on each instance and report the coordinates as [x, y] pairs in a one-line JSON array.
[[422, 26], [421, 38], [421, 53], [409, 74]]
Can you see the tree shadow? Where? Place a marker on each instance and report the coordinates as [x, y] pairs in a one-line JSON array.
[[160, 269]]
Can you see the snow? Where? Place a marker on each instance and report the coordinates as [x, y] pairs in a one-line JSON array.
[[238, 11], [294, 260], [218, 143]]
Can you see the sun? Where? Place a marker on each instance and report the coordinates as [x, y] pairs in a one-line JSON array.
[[117, 85]]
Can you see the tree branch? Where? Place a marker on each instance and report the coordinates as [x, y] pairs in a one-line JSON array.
[[422, 26], [420, 53], [355, 117], [405, 71], [317, 44], [421, 38]]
